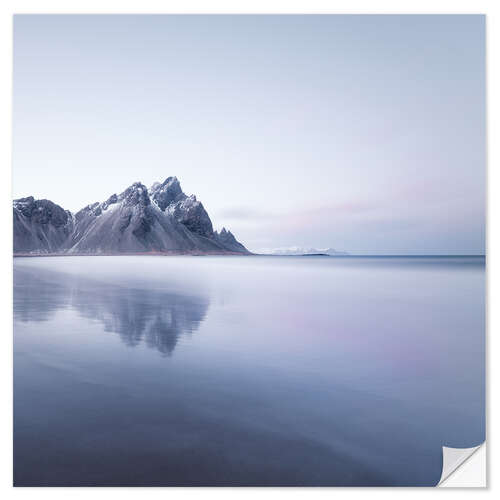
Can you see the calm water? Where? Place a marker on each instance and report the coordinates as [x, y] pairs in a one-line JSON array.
[[245, 370]]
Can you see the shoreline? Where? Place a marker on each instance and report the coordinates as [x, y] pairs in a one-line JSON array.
[[249, 254], [128, 254]]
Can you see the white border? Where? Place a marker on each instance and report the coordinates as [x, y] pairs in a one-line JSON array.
[[489, 7]]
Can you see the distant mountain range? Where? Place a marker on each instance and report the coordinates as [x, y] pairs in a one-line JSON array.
[[161, 219], [301, 251]]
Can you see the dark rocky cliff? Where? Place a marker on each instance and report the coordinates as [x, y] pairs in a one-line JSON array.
[[160, 220]]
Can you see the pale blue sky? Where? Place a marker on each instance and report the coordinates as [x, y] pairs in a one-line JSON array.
[[365, 133]]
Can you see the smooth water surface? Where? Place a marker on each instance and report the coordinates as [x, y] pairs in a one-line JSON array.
[[245, 370]]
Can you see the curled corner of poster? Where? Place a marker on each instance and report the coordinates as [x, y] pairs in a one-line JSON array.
[[464, 467]]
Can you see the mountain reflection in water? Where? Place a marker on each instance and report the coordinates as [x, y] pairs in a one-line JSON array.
[[306, 371], [154, 317]]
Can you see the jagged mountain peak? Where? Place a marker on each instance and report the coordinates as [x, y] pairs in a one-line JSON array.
[[170, 183], [23, 202], [43, 211], [191, 213], [167, 192], [224, 233], [40, 226], [135, 194], [161, 219], [227, 239], [110, 201], [171, 180]]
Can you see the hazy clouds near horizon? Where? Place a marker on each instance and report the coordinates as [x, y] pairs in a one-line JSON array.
[[362, 133]]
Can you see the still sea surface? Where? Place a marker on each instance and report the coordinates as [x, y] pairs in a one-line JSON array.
[[245, 370]]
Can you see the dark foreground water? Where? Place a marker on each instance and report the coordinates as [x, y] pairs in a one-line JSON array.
[[245, 370]]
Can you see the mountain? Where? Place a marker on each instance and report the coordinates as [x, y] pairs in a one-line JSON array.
[[161, 219], [301, 251], [40, 226]]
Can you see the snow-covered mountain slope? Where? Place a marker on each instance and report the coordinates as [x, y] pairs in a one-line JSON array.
[[160, 220]]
